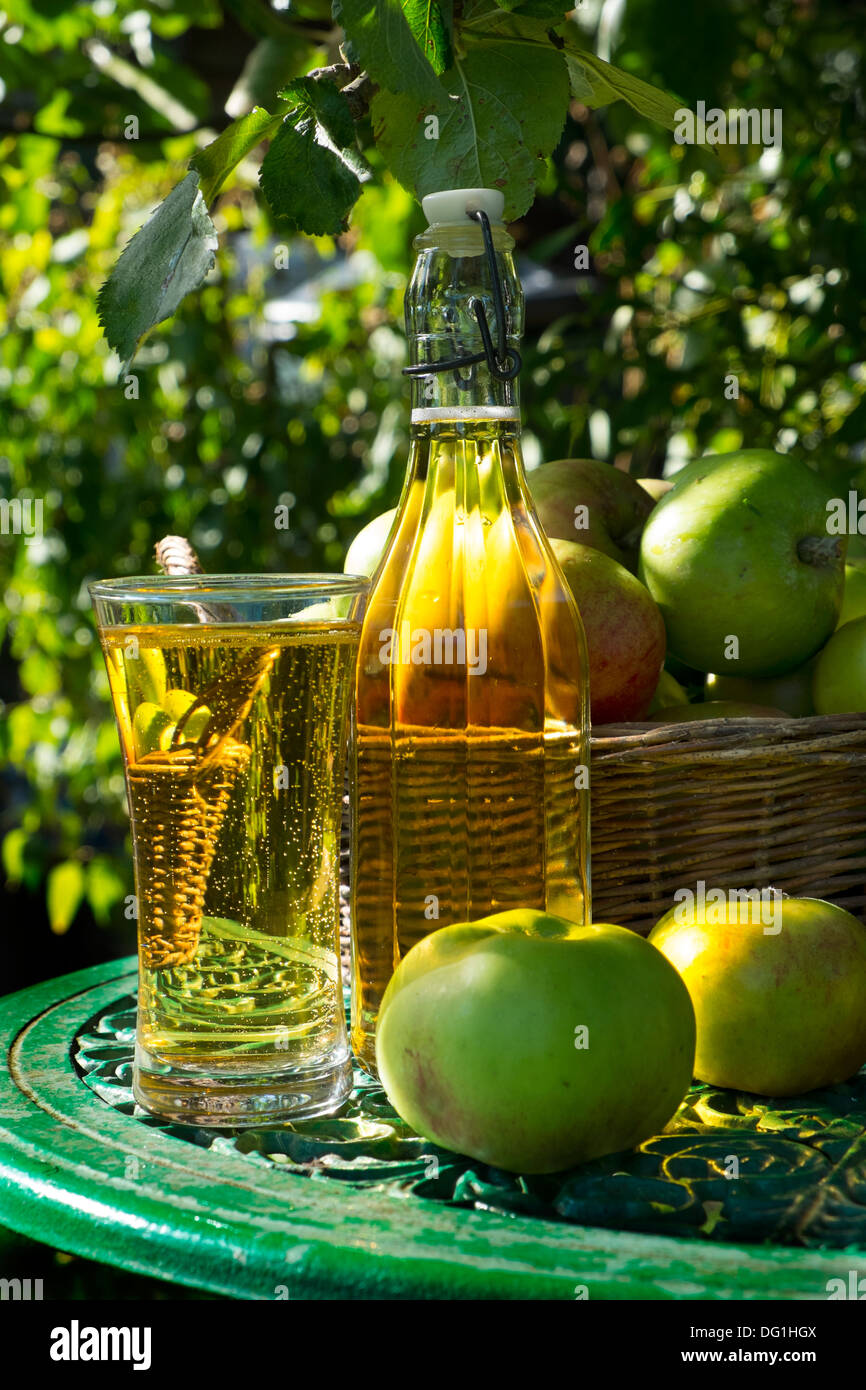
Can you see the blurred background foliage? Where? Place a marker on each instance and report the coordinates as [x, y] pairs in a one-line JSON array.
[[279, 383]]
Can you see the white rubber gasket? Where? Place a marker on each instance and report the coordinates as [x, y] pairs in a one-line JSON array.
[[452, 204]]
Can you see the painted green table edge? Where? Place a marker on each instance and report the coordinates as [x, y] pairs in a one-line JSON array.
[[100, 1184]]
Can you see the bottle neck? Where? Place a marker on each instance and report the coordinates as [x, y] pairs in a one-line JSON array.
[[475, 461], [451, 271]]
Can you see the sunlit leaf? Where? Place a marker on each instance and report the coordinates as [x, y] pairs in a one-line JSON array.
[[14, 845], [430, 22], [608, 83], [537, 9], [38, 674], [395, 42], [105, 888], [593, 81], [216, 161], [65, 892]]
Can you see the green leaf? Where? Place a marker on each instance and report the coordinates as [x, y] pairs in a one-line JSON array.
[[38, 674], [540, 9], [165, 260], [593, 81], [105, 888], [323, 98], [586, 86], [430, 22], [215, 162], [14, 845], [395, 42], [608, 83], [312, 173], [65, 891], [493, 130]]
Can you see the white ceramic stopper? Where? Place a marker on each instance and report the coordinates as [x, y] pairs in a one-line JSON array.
[[453, 203]]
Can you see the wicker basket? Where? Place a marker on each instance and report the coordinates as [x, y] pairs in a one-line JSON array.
[[178, 801], [737, 803]]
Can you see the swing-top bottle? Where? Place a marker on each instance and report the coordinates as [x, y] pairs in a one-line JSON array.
[[471, 717]]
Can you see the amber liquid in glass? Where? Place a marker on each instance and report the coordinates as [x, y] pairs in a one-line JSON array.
[[236, 851]]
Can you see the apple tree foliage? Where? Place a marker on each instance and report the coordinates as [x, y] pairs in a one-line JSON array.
[[461, 94], [700, 264]]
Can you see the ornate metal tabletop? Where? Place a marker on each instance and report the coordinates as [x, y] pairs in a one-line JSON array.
[[741, 1197]]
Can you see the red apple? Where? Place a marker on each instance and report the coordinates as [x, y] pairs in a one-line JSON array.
[[625, 635], [594, 504]]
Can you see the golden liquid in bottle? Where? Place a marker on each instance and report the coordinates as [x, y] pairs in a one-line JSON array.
[[471, 714]]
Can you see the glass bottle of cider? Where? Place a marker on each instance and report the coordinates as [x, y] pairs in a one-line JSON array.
[[472, 722]]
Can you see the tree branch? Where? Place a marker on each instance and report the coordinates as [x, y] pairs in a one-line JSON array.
[[358, 91]]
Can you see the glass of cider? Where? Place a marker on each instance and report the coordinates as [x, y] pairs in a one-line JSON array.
[[232, 697]]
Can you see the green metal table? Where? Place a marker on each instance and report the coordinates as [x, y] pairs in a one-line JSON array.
[[358, 1206]]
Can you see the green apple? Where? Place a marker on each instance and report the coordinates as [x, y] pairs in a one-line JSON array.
[[857, 541], [625, 635], [329, 610], [367, 548], [176, 703], [791, 692], [716, 709], [738, 558], [152, 728], [854, 596], [145, 675], [839, 682], [533, 1044], [778, 990], [196, 724], [668, 693], [593, 504]]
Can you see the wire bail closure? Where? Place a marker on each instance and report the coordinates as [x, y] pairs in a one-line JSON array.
[[503, 362]]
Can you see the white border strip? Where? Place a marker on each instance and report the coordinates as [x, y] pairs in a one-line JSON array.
[[422, 415]]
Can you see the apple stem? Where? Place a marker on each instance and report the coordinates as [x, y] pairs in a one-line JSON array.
[[820, 550]]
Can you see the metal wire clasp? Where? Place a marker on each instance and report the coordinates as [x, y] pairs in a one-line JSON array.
[[503, 362]]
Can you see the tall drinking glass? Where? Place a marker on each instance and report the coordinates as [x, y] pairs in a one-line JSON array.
[[232, 697]]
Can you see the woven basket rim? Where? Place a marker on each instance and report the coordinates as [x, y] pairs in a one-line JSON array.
[[813, 734]]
